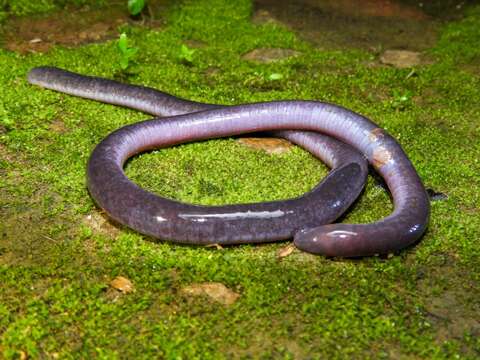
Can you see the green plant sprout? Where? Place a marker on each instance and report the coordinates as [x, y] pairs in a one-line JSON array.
[[186, 54], [127, 53], [401, 100]]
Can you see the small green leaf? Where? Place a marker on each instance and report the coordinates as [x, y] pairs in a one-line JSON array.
[[275, 76], [123, 43], [186, 53], [135, 7], [131, 52], [124, 63]]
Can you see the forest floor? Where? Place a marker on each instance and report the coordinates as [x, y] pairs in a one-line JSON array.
[[75, 285]]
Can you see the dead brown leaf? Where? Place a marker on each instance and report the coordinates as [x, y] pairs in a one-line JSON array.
[[216, 246], [270, 145], [285, 251], [122, 284]]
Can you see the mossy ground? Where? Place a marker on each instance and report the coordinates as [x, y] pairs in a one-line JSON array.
[[55, 265]]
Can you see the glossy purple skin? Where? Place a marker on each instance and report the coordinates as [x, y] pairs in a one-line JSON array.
[[230, 224], [403, 227]]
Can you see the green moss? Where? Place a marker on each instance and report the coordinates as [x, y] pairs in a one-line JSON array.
[[236, 173], [56, 262]]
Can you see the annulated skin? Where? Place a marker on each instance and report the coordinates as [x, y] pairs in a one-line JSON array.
[[129, 204], [270, 221]]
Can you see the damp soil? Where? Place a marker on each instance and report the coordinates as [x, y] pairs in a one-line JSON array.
[[75, 26], [373, 25]]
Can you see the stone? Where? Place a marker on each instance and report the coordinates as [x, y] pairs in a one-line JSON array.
[[266, 55], [400, 58], [269, 145]]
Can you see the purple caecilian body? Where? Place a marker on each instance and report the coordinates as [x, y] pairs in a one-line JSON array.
[[302, 122]]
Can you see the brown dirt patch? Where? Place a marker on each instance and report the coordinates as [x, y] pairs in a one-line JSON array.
[[100, 223], [215, 291], [384, 24], [74, 26]]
